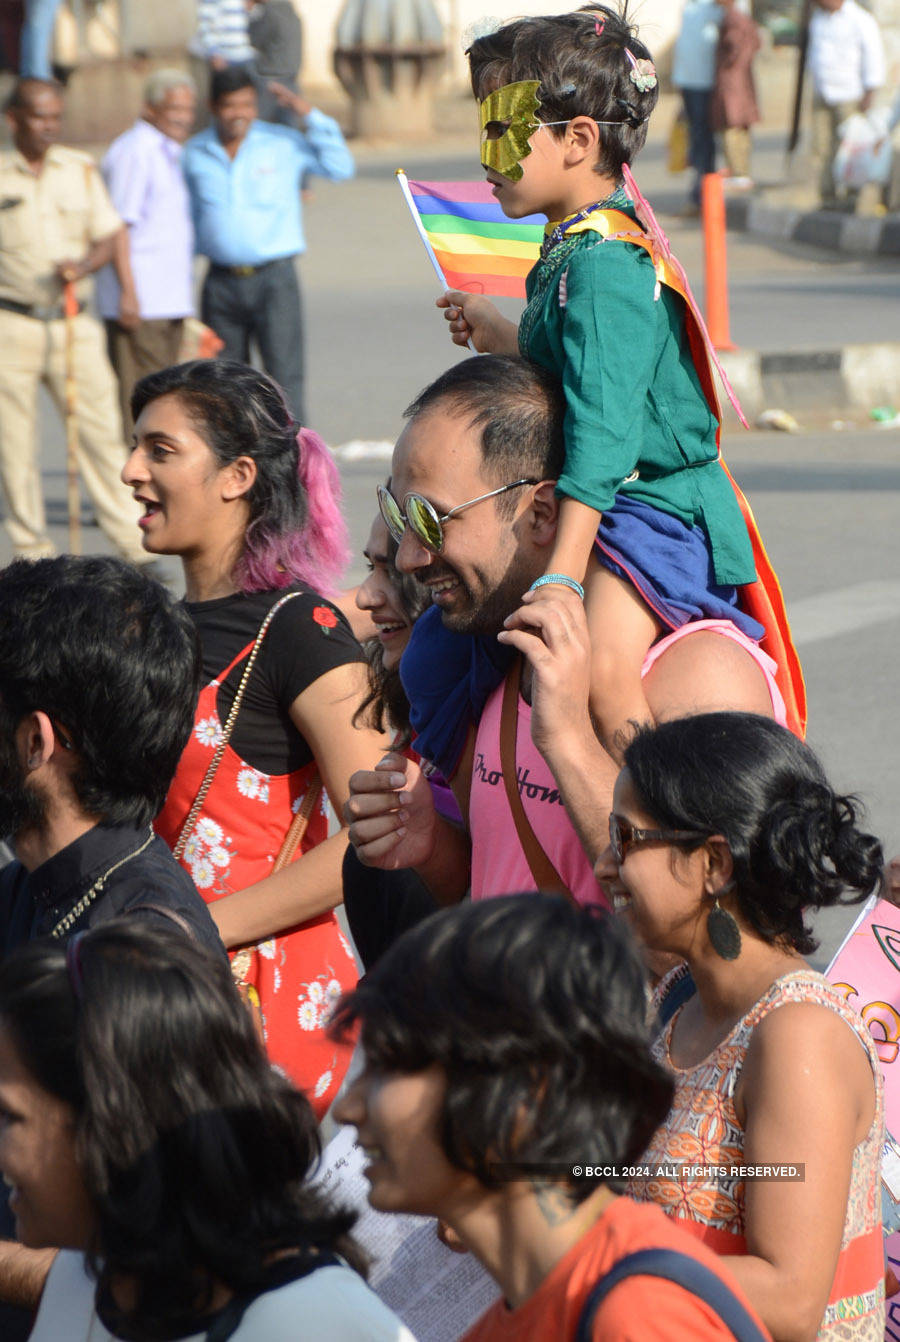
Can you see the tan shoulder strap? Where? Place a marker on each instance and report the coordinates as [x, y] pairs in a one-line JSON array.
[[546, 877], [294, 836]]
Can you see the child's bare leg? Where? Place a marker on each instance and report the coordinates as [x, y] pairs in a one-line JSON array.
[[622, 628]]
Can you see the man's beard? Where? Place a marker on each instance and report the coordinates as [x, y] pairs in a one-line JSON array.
[[487, 616], [21, 808]]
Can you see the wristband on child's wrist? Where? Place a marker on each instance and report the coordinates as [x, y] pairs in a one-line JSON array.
[[559, 580]]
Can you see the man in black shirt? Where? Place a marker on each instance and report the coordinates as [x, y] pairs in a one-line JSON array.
[[99, 672]]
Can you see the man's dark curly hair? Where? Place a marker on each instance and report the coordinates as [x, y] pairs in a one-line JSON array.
[[537, 1012], [107, 654]]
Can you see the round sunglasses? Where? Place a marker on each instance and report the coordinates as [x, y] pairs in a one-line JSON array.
[[422, 517], [623, 835]]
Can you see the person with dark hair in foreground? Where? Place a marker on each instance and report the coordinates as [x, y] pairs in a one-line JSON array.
[[252, 509], [724, 834], [506, 1060], [172, 1158], [98, 681]]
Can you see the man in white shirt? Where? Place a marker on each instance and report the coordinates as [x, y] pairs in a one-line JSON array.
[[146, 294], [846, 65]]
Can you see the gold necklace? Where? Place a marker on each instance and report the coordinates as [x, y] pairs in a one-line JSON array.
[[96, 889]]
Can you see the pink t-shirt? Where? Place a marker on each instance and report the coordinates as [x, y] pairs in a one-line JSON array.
[[499, 867]]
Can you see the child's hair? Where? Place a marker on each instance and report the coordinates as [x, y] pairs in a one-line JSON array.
[[794, 842], [581, 62], [536, 1012]]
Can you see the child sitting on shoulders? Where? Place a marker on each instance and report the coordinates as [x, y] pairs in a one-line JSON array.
[[651, 533]]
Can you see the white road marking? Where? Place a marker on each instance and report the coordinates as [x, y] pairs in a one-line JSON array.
[[833, 614], [360, 450]]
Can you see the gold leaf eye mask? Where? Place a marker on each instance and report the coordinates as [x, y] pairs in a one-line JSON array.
[[508, 120]]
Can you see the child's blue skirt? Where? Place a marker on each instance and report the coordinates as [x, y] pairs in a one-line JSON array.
[[449, 677]]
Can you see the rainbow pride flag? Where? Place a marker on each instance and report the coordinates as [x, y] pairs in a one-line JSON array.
[[478, 249]]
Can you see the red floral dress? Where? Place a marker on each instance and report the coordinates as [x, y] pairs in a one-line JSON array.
[[238, 833]]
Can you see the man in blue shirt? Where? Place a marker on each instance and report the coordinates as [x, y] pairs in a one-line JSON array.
[[244, 179]]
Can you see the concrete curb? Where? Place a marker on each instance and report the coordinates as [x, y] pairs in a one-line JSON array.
[[857, 234], [854, 377]]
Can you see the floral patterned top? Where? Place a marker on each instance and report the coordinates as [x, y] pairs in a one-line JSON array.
[[703, 1129], [294, 978]]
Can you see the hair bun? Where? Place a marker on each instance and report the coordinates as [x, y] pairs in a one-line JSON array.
[[814, 846]]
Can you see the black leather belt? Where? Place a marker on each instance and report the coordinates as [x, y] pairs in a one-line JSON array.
[[246, 270], [42, 312]]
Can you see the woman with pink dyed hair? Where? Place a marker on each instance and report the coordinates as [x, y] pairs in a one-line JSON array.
[[251, 506]]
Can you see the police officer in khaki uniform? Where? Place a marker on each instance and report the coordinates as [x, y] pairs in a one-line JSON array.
[[56, 224]]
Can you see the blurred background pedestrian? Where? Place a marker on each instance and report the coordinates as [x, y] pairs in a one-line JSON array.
[[244, 177], [57, 227], [277, 41], [734, 107], [694, 75], [37, 39], [846, 65], [144, 316]]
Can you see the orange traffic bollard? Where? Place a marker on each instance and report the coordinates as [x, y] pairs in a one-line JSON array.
[[713, 204]]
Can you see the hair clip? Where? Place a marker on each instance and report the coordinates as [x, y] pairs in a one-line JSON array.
[[642, 73], [567, 91], [599, 25]]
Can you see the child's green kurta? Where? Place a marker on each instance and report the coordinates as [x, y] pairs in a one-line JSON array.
[[634, 404]]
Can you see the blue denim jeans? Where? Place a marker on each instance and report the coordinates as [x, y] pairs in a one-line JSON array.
[[262, 309], [701, 140], [37, 39]]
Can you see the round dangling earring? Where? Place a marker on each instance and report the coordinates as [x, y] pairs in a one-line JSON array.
[[722, 929]]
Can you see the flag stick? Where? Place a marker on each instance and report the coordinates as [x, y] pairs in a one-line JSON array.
[[426, 241]]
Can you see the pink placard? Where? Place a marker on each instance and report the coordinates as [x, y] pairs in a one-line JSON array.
[[867, 969]]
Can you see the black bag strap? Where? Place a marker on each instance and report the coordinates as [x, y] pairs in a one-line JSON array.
[[228, 1320], [685, 1271]]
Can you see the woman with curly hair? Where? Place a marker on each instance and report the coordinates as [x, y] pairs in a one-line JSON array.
[[724, 834]]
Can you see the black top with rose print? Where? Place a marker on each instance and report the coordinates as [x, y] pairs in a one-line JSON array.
[[307, 638]]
